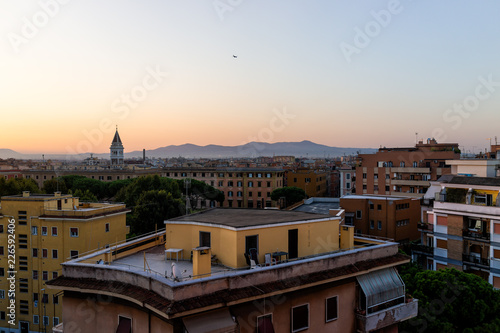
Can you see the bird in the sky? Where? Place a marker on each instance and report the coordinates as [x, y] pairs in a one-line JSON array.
[[235, 56]]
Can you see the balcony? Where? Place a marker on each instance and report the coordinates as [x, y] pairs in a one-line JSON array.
[[410, 182], [411, 170], [475, 261], [387, 317], [474, 234], [422, 249], [464, 208], [426, 227]]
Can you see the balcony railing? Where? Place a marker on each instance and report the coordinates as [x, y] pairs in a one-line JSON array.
[[387, 317], [476, 235], [422, 248], [425, 226], [475, 261]]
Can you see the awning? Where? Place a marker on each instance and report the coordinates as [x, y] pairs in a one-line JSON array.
[[381, 286], [218, 321]]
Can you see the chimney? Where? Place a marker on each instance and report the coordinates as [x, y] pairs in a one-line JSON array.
[[26, 194], [346, 237], [144, 156], [57, 194], [202, 262]]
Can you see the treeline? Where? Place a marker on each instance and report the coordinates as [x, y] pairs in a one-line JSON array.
[[15, 186], [152, 199]]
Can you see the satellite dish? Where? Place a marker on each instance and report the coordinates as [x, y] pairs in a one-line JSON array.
[[176, 272]]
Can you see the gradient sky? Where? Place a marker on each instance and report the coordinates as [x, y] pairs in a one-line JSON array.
[[64, 83]]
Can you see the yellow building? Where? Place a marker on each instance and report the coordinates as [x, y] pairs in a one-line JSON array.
[[48, 230], [295, 234]]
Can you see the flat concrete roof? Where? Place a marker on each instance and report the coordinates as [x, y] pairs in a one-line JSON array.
[[243, 217], [317, 207]]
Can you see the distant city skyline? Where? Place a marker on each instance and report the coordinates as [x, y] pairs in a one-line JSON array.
[[343, 74]]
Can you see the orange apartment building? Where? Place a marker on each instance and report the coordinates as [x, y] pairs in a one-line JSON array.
[[404, 171], [384, 216], [313, 182]]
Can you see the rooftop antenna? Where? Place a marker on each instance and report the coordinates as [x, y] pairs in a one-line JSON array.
[[416, 138], [490, 140], [496, 142]]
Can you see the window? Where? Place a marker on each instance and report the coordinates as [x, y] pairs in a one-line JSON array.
[[73, 254], [45, 276], [23, 241], [205, 238], [2, 293], [221, 183], [45, 253], [268, 184], [56, 321], [364, 187], [230, 183], [230, 193], [45, 320], [54, 231], [35, 275], [379, 225], [300, 318], [24, 307], [359, 214], [372, 224], [364, 175], [73, 232], [239, 184], [332, 308], [240, 194], [250, 184], [379, 207], [44, 231], [250, 194], [251, 242], [35, 320], [106, 227], [348, 176], [34, 230], [415, 164], [124, 324], [1, 251], [35, 297], [55, 299], [34, 253], [23, 263], [250, 175], [375, 176], [259, 194], [109, 178], [54, 275], [23, 285], [265, 323], [2, 271], [402, 164]]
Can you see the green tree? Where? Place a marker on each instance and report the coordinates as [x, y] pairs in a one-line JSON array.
[[200, 190], [153, 208], [451, 301], [85, 195], [15, 186], [292, 194], [53, 185]]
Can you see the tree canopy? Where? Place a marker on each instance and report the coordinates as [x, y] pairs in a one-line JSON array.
[[17, 186], [292, 194], [451, 301]]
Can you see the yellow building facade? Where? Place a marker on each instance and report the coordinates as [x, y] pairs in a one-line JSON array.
[[47, 230], [230, 236]]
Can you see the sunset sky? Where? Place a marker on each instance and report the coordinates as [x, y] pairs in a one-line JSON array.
[[340, 73]]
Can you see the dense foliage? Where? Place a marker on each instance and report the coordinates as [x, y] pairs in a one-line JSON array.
[[292, 194], [451, 301], [17, 186], [72, 183]]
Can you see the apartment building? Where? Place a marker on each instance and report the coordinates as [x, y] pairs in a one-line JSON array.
[[312, 181], [461, 227], [48, 230], [404, 171], [386, 216], [347, 177], [251, 271]]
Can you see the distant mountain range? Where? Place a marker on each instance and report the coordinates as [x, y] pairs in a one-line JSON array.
[[251, 149]]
